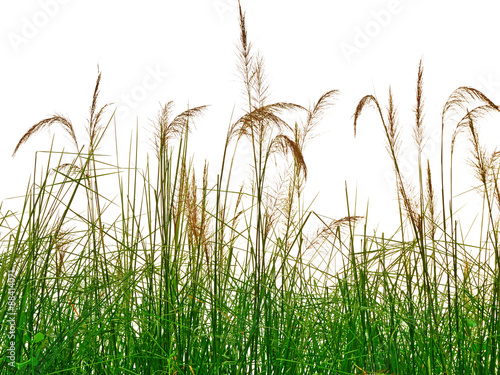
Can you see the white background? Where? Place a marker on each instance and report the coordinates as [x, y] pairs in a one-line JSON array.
[[156, 51]]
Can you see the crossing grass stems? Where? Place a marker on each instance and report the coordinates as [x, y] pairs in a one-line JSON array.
[[169, 275]]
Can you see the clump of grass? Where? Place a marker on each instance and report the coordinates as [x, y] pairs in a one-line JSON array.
[[175, 276]]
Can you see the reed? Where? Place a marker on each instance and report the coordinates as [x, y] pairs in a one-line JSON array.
[[170, 275]]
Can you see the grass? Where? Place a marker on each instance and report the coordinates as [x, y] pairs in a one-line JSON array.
[[168, 275]]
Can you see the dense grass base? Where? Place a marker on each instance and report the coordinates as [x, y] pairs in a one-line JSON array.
[[108, 269]]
